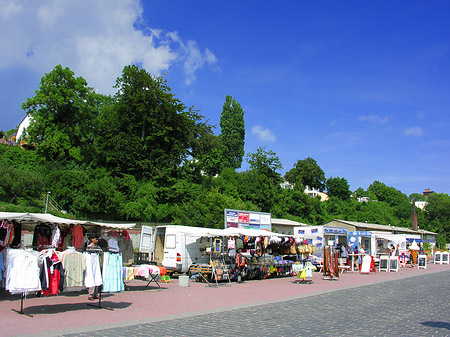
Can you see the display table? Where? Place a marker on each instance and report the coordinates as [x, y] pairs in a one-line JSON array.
[[148, 272]]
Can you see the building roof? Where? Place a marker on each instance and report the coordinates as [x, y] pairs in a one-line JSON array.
[[371, 226], [287, 222]]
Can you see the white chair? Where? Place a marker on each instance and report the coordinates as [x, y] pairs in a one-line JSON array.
[[438, 258]]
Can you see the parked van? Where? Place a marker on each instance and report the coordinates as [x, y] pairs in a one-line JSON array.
[[177, 247]]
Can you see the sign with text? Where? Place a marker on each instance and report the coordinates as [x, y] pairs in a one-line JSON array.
[[247, 219]]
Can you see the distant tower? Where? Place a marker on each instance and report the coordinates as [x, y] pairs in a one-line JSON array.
[[414, 226], [427, 192]]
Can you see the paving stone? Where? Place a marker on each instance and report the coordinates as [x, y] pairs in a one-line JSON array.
[[416, 306]]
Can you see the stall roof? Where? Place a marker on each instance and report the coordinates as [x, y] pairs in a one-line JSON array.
[[387, 228], [234, 231], [33, 218], [198, 231]]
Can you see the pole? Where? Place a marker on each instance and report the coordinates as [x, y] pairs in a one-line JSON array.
[[46, 201]]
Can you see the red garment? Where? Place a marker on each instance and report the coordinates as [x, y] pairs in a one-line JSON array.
[[77, 236], [126, 235], [42, 240], [55, 276]]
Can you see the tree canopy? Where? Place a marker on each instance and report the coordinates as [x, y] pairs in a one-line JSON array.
[[232, 135], [142, 155], [63, 113], [306, 172]]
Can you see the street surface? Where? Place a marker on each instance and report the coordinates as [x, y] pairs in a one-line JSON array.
[[417, 305]]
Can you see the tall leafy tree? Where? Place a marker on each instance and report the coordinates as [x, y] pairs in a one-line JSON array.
[[232, 136], [261, 184], [437, 214], [63, 112], [306, 172], [339, 188], [147, 132]]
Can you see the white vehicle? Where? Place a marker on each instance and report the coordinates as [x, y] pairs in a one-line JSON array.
[[177, 247]]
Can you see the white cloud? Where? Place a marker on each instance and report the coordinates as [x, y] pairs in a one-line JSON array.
[[374, 119], [263, 134], [95, 38], [414, 131]]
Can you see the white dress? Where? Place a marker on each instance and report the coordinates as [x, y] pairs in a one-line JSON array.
[[93, 275]]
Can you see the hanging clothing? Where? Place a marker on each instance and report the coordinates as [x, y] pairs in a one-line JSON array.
[[231, 243], [42, 235], [51, 274], [92, 274], [126, 248], [2, 267], [113, 245], [6, 233], [17, 234], [112, 272], [22, 271], [56, 237], [74, 265], [77, 236]]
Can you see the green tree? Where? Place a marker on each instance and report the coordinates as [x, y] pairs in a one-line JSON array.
[[437, 214], [339, 188], [232, 136], [16, 184], [207, 155], [206, 210], [66, 184], [261, 184], [265, 161], [306, 173], [63, 111], [100, 198], [147, 132], [416, 197]]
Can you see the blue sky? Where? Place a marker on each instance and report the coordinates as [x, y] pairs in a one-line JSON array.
[[362, 87]]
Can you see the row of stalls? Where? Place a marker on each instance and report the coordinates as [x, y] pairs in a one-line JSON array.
[[45, 255], [374, 243], [229, 254]]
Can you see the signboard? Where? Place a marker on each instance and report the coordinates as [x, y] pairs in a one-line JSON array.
[[422, 263], [384, 263], [335, 230], [247, 219], [359, 233]]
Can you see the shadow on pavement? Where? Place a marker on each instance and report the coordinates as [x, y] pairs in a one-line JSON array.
[[442, 325], [68, 307]]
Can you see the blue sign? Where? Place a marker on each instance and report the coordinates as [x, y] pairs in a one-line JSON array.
[[360, 233]]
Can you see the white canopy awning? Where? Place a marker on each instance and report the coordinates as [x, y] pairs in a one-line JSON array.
[[34, 218], [235, 231]]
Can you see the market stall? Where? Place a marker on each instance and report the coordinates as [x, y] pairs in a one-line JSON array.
[[64, 254]]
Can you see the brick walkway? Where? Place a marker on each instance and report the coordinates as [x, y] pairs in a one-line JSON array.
[[374, 304]]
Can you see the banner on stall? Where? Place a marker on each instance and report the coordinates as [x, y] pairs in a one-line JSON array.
[[247, 219]]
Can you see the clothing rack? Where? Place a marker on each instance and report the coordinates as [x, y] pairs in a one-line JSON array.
[[99, 305], [21, 307]]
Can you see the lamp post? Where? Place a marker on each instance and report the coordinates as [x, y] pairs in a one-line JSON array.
[[46, 201]]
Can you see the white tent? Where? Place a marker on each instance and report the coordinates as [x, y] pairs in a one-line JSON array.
[[28, 220]]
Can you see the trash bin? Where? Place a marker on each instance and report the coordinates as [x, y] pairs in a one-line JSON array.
[[183, 281]]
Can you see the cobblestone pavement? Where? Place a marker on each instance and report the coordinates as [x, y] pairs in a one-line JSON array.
[[416, 306]]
